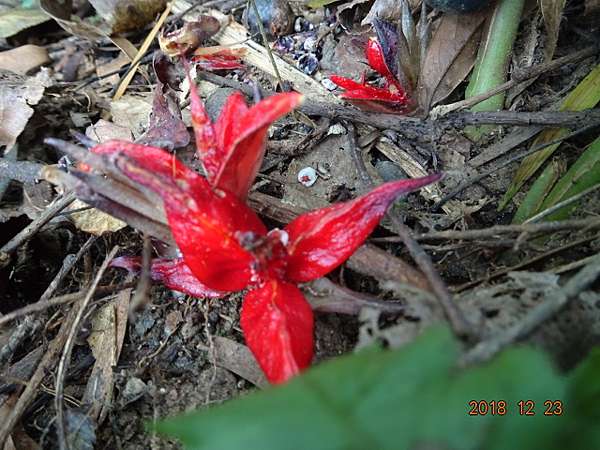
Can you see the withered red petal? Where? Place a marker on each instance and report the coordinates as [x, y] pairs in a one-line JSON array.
[[207, 225], [277, 322], [321, 240], [173, 273], [244, 146]]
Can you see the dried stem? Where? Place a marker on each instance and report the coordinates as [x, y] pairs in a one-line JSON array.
[[455, 316], [66, 355]]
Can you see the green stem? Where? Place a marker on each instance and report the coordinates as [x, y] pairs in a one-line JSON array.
[[492, 60]]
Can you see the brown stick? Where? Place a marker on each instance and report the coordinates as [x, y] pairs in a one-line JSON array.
[[61, 300], [68, 346], [30, 325], [552, 304], [531, 228], [457, 320], [30, 230], [46, 365]]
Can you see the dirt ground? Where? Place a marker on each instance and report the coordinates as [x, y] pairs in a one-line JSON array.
[[173, 353]]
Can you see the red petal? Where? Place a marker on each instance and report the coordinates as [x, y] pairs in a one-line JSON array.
[[206, 141], [244, 147], [173, 273], [376, 59], [233, 110], [346, 83], [278, 326], [223, 59], [152, 158], [321, 240], [207, 225]]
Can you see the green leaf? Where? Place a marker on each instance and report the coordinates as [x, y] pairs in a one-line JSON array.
[[404, 399], [583, 174], [15, 20], [539, 190], [585, 96]]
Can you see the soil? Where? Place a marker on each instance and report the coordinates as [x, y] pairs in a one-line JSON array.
[[167, 363]]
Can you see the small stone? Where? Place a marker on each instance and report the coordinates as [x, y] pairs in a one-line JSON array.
[[134, 389], [310, 44], [336, 129], [307, 176], [308, 63], [172, 321], [389, 171], [328, 84]]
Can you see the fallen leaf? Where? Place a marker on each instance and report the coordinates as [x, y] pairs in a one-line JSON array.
[[132, 112], [13, 21], [17, 94], [552, 12], [128, 15], [111, 67], [23, 59], [388, 10], [118, 16], [238, 359], [450, 56], [106, 340], [166, 129], [61, 13], [104, 130], [93, 220]]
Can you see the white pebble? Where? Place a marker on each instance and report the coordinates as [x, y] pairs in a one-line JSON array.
[[328, 84], [307, 176], [336, 129]]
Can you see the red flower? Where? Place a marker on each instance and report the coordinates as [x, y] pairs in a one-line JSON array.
[[390, 98], [227, 248]]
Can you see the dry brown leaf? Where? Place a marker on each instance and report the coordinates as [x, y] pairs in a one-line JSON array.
[[238, 359], [103, 131], [112, 66], [106, 340], [61, 12], [388, 10], [128, 15], [94, 221], [552, 13], [119, 16], [23, 59], [132, 112], [450, 56], [17, 93]]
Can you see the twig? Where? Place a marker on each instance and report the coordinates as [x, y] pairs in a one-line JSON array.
[[518, 77], [542, 257], [261, 28], [546, 212], [30, 391], [140, 54], [61, 300], [31, 229], [30, 325], [552, 304], [475, 178], [141, 292], [66, 355], [455, 316], [496, 230]]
